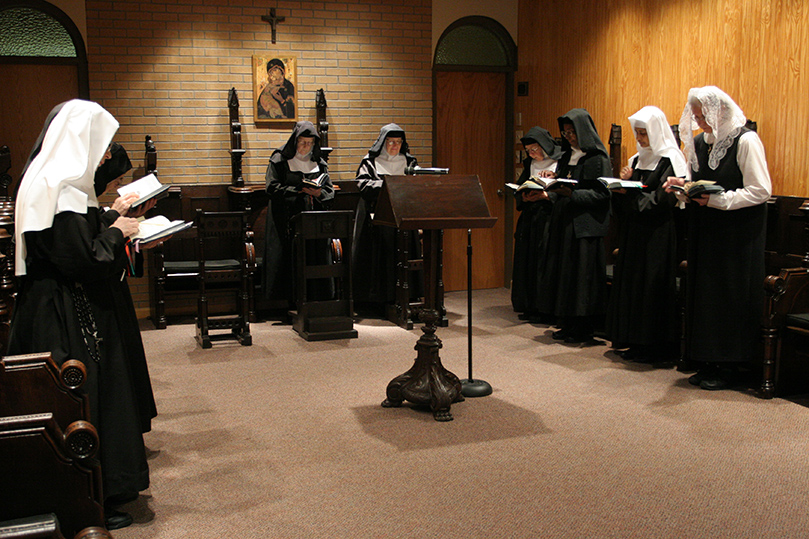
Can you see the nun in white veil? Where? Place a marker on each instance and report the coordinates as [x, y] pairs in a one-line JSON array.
[[68, 256], [641, 317], [726, 233]]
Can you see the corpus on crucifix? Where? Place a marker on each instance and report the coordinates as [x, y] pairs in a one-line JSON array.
[[273, 21]]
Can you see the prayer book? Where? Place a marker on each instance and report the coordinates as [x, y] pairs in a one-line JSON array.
[[147, 188], [159, 227], [618, 183], [541, 184], [698, 188], [314, 183]]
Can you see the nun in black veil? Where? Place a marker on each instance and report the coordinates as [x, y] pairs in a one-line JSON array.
[[70, 259], [572, 283], [297, 180], [530, 234], [374, 246]]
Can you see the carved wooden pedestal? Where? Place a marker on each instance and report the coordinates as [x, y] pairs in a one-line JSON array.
[[427, 381]]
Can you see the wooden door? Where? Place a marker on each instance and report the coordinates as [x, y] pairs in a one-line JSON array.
[[470, 121], [31, 91]]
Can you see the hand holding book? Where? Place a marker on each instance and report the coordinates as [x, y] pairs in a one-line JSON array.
[[158, 228], [542, 184], [693, 189], [147, 188]]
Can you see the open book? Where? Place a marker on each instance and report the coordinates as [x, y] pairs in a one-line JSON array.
[[698, 188], [147, 188], [618, 183], [542, 184], [314, 183], [158, 227]]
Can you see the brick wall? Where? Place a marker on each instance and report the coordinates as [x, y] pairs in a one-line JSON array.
[[164, 68]]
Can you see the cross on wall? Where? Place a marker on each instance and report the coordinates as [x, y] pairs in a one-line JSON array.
[[273, 21]]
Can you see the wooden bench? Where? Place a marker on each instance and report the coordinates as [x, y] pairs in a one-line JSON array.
[[49, 470]]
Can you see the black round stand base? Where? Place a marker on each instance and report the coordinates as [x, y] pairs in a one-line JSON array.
[[475, 388]]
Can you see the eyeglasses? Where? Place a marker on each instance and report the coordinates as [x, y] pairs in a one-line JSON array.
[[569, 133], [536, 149], [393, 142]]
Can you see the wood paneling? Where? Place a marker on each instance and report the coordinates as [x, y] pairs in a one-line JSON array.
[[614, 57]]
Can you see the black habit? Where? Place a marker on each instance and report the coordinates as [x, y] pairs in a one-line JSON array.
[[572, 279], [374, 249], [642, 308], [530, 234], [82, 250], [286, 201], [725, 268]]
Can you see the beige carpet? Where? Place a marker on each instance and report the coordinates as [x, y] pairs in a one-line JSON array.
[[287, 439]]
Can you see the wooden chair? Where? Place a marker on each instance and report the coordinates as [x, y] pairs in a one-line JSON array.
[[785, 323], [226, 258]]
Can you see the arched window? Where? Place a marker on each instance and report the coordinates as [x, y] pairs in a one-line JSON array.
[[37, 32], [476, 41]]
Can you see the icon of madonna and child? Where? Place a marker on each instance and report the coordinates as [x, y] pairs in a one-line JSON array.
[[276, 92]]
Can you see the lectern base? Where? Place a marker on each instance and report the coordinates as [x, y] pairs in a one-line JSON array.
[[427, 382]]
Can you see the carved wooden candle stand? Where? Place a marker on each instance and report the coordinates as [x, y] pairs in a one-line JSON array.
[[430, 203]]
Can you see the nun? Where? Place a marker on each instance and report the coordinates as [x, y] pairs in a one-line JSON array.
[[70, 258], [530, 234], [297, 180], [572, 279], [726, 233], [374, 247], [641, 316]]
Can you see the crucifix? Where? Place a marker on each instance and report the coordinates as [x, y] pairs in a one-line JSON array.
[[273, 21]]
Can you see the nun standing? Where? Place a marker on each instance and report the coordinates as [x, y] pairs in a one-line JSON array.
[[67, 256], [530, 234], [572, 280], [643, 304], [726, 233], [290, 172], [374, 248]]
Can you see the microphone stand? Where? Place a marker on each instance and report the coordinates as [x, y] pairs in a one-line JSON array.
[[469, 386]]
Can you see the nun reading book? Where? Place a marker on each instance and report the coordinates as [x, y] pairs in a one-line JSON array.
[[534, 205], [70, 259], [641, 317], [572, 277], [297, 180]]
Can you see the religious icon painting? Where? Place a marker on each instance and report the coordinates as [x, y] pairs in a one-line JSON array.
[[274, 83]]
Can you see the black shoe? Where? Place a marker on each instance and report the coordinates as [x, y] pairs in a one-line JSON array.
[[560, 335], [115, 520], [631, 354], [704, 372], [578, 338], [724, 378]]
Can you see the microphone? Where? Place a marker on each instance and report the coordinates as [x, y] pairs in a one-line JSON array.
[[411, 170]]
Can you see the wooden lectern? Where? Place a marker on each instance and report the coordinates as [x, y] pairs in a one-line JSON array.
[[430, 203]]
